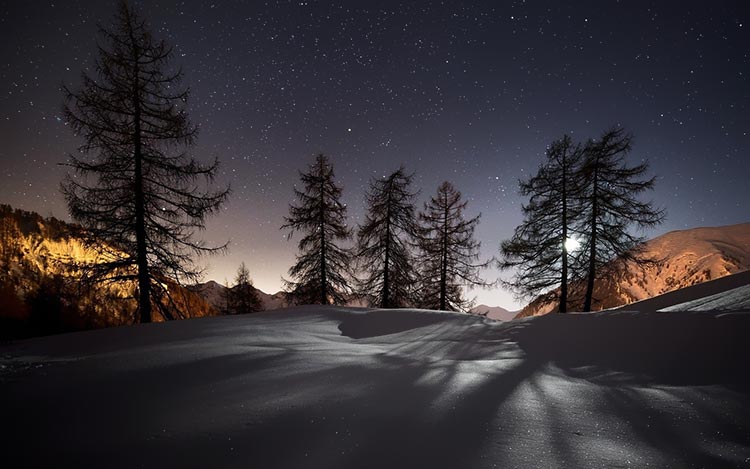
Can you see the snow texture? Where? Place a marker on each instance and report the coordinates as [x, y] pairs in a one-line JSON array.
[[730, 293], [733, 300], [362, 388]]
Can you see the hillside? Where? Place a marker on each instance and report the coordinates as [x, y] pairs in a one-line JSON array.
[[728, 293], [40, 287], [689, 257], [326, 387]]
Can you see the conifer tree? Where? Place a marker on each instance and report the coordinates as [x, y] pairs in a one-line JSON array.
[[226, 298], [611, 205], [385, 240], [134, 189], [448, 252], [539, 248], [10, 247], [243, 297], [322, 271]]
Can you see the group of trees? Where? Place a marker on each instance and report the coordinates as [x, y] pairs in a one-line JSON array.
[[140, 199], [403, 258], [584, 196]]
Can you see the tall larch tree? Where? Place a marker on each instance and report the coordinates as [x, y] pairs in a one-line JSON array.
[[133, 187], [538, 252], [385, 241], [323, 268], [611, 205], [449, 253]]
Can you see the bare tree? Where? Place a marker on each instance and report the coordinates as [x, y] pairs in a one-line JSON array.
[[137, 194], [243, 298], [323, 267], [385, 240], [10, 246], [611, 205], [539, 249], [449, 253]]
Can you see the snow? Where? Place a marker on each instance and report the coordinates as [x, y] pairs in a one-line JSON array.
[[353, 387], [729, 293], [737, 299]]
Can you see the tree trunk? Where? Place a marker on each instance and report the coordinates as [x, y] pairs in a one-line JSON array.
[[144, 278], [323, 276], [386, 303], [593, 241], [444, 257], [564, 274]]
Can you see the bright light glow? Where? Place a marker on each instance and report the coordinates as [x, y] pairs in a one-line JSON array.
[[572, 244]]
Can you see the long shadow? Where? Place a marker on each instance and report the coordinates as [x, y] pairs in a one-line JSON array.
[[69, 414], [385, 322], [394, 423], [645, 348], [676, 442], [698, 360], [455, 399]]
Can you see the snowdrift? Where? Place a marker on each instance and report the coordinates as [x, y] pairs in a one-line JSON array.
[[730, 293], [346, 387]]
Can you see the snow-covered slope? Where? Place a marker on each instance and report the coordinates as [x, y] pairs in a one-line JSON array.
[[727, 294], [688, 257], [321, 387]]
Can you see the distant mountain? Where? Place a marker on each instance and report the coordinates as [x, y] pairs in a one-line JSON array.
[[726, 294], [689, 257], [40, 288], [493, 312], [215, 294]]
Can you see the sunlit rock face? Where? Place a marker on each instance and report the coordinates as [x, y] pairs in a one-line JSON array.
[[688, 257], [41, 264]]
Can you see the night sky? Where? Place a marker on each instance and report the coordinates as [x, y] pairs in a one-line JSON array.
[[470, 93]]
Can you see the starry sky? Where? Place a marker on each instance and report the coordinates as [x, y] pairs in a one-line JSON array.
[[470, 92]]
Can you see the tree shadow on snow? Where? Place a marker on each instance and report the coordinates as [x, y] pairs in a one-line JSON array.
[[565, 391]]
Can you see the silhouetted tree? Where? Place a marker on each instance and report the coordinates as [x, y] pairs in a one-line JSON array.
[[385, 239], [243, 297], [448, 252], [136, 193], [611, 205], [226, 298], [538, 250], [323, 266], [10, 246], [50, 305]]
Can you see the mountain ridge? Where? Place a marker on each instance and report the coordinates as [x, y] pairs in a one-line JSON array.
[[41, 292], [497, 313], [688, 257]]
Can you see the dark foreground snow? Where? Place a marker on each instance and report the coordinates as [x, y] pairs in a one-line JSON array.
[[353, 388]]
